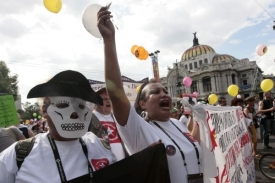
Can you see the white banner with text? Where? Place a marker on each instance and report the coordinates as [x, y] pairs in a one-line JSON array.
[[129, 85], [226, 145]]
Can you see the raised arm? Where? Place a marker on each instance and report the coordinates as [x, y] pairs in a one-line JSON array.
[[31, 134], [120, 102], [246, 112], [190, 123]]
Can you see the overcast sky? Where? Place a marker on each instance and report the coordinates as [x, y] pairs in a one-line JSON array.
[[36, 44]]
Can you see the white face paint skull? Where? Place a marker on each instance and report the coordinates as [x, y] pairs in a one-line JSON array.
[[70, 116]]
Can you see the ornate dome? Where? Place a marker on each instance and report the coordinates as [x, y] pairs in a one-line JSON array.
[[222, 58], [196, 49]]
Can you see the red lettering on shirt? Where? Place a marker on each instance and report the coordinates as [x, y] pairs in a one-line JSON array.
[[100, 163], [190, 137]]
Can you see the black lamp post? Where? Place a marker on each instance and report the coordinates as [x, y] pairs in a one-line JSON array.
[[154, 54]]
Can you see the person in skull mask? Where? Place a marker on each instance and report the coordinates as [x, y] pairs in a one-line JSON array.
[[67, 153]]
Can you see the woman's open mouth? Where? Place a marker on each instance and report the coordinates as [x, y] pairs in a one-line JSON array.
[[165, 104]]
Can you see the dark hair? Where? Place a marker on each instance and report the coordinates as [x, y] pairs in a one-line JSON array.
[[141, 95], [220, 100], [235, 101], [267, 93], [249, 99], [102, 90]]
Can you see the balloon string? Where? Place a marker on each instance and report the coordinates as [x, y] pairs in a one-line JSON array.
[[265, 10], [114, 24], [108, 6]]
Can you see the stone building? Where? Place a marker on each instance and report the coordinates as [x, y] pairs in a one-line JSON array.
[[212, 72]]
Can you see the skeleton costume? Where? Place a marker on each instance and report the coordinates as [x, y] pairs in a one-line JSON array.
[[61, 161], [61, 109]]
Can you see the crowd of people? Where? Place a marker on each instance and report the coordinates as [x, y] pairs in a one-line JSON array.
[[21, 131], [79, 141]]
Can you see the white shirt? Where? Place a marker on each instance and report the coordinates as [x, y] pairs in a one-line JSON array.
[[184, 120], [40, 166], [30, 126], [139, 134], [21, 126], [108, 123]]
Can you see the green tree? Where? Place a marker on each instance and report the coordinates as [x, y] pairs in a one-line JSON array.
[[29, 110], [8, 83]]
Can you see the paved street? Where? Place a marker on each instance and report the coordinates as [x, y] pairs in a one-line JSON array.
[[259, 177]]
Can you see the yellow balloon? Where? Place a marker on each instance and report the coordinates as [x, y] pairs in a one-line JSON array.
[[212, 99], [133, 48], [140, 52], [138, 88], [145, 56], [233, 90], [53, 5], [267, 85]]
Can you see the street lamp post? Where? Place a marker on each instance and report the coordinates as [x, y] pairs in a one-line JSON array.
[[154, 57]]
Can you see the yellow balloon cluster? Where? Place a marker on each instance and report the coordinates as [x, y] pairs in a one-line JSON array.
[[140, 52], [233, 90], [53, 5], [267, 85], [212, 99]]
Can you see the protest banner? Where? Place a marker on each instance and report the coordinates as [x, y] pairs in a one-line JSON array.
[[225, 143], [8, 114], [129, 85]]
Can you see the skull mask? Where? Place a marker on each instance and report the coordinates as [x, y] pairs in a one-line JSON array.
[[70, 116]]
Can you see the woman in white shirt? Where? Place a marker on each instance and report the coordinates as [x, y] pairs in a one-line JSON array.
[[183, 151]]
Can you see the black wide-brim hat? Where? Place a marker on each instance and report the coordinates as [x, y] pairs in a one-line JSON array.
[[67, 84]]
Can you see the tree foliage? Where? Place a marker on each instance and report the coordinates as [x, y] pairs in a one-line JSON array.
[[8, 83], [28, 111]]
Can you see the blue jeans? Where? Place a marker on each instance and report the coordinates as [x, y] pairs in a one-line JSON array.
[[262, 132]]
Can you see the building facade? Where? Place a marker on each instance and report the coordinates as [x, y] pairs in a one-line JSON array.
[[212, 73]]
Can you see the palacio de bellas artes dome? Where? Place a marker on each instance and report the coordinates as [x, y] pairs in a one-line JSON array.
[[212, 73]]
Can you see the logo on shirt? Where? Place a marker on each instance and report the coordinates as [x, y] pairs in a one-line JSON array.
[[170, 150], [112, 131], [99, 163], [190, 137]]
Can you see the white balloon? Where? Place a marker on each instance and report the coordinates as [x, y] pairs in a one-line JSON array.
[[261, 49], [89, 19]]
